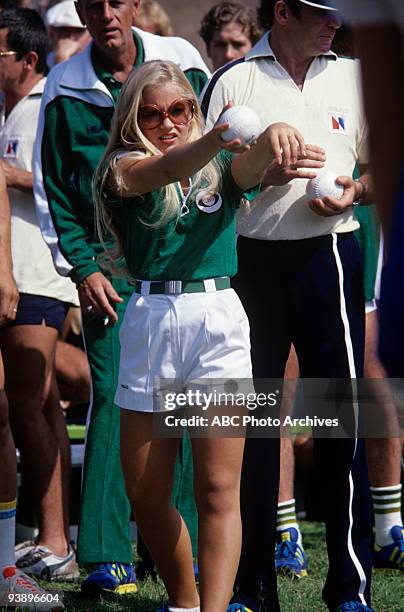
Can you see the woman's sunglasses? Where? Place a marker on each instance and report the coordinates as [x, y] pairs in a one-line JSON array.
[[180, 112]]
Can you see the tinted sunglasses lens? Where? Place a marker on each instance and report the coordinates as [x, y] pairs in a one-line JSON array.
[[149, 116], [180, 112]]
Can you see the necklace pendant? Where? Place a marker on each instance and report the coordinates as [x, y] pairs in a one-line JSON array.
[[184, 210]]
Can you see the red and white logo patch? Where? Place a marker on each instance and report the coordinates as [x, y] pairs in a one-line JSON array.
[[11, 149], [337, 123]]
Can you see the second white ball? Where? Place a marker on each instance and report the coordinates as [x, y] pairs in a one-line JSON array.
[[324, 185], [244, 124]]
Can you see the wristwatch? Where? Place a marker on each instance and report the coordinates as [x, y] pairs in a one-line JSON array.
[[359, 200]]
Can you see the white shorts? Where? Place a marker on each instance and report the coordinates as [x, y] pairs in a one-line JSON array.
[[181, 339]]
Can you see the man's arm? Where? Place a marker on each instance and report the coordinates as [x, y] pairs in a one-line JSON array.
[[16, 178], [57, 197], [63, 221], [8, 288]]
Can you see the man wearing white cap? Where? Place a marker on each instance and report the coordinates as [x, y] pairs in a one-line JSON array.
[[314, 280], [66, 32]]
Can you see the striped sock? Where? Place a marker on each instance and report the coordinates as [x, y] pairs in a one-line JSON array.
[[387, 510], [7, 532], [286, 518]]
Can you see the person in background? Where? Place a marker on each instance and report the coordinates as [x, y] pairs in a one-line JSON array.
[[67, 34], [298, 239], [383, 453], [151, 17], [13, 582], [380, 39], [71, 363], [229, 30], [29, 342], [75, 122]]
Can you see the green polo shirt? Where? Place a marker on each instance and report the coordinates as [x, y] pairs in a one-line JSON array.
[[199, 244]]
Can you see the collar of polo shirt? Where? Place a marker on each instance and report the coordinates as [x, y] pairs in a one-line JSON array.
[[327, 5]]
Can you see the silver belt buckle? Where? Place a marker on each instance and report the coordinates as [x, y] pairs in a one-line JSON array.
[[173, 287]]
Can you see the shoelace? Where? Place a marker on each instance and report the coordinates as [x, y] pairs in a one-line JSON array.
[[119, 573], [38, 553]]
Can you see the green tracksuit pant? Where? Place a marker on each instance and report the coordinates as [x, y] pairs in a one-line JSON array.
[[105, 510]]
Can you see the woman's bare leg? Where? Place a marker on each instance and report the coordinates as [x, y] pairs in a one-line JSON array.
[[148, 467], [217, 472]]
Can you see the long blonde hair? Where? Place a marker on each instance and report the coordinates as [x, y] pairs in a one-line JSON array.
[[126, 136]]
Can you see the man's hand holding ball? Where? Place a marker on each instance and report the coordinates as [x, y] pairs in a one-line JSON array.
[[331, 195]]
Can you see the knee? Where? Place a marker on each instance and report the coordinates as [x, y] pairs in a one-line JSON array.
[[25, 398], [147, 497], [220, 495]]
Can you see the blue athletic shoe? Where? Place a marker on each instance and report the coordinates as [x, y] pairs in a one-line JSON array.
[[243, 603], [117, 578], [392, 555], [353, 606], [290, 558]]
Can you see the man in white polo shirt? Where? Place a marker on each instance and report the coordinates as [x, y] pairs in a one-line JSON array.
[[314, 281], [28, 344]]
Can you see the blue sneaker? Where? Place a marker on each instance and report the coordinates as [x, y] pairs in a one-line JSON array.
[[392, 555], [243, 603], [353, 606], [290, 558], [117, 578]]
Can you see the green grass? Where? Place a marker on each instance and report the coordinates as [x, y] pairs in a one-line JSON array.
[[76, 432], [295, 596]]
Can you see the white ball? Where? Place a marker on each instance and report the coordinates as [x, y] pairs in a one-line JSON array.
[[244, 124], [324, 185]]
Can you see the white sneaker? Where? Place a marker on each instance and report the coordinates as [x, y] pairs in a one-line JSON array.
[[17, 590], [41, 562], [23, 548]]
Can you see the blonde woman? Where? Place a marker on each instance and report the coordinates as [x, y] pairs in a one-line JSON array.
[[168, 195]]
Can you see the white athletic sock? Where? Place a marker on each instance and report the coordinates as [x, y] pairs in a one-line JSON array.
[[171, 609], [387, 510], [7, 533], [286, 518]]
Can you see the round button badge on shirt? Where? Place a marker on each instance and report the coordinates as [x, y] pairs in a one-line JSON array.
[[208, 202]]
